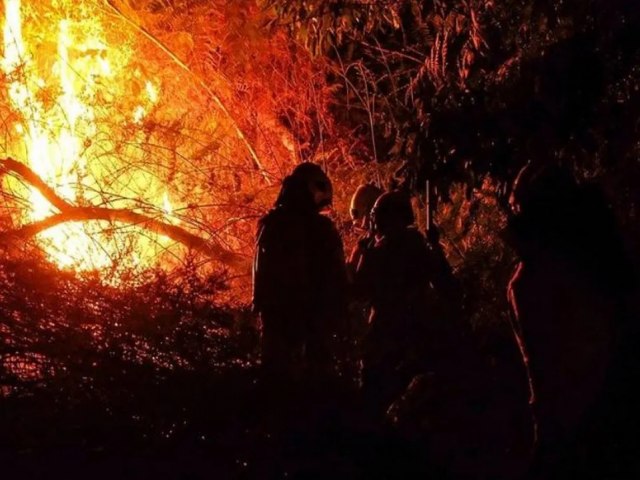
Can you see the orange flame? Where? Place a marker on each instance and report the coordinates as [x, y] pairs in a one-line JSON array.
[[57, 125]]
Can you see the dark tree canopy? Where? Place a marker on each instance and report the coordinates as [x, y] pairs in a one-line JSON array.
[[460, 89]]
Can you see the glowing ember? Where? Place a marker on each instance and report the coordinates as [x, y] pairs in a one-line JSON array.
[[64, 134]]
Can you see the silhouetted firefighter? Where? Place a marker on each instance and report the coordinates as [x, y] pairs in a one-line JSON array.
[[299, 277], [568, 295], [362, 203], [393, 277]]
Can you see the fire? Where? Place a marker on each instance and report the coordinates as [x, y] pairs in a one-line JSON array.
[[166, 204], [64, 133]]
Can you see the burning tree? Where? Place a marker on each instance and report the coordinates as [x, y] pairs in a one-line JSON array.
[[139, 134], [134, 135]]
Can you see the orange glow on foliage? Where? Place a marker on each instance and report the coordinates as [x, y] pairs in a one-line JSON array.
[[62, 83], [126, 145]]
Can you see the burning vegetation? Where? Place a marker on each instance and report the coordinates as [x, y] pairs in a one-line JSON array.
[[123, 149], [143, 140]]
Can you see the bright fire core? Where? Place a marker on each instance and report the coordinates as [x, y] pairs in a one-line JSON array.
[[66, 87]]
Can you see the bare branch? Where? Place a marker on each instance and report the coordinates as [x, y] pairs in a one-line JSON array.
[[216, 98], [8, 165], [72, 213]]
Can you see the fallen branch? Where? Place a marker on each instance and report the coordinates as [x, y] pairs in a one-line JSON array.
[[72, 213]]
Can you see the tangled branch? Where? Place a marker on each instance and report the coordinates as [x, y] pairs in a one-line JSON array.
[[216, 98], [73, 213]]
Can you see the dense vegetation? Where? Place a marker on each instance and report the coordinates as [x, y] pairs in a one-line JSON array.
[[461, 93]]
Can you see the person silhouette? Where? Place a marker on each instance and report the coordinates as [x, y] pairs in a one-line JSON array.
[[567, 296], [299, 278], [392, 276]]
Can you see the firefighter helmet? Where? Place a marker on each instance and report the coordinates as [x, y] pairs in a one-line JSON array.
[[392, 211], [362, 202], [317, 183]]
